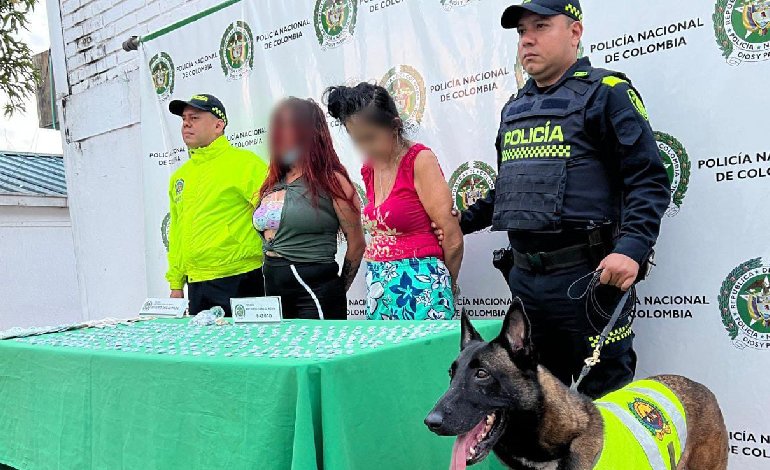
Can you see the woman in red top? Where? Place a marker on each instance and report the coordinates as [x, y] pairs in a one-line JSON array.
[[410, 276]]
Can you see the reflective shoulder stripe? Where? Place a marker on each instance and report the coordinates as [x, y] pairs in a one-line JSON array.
[[643, 437], [612, 80], [672, 410]]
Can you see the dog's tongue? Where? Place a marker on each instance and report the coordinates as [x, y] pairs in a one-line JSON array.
[[463, 445]]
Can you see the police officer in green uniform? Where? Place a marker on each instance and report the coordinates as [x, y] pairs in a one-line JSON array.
[[581, 187]]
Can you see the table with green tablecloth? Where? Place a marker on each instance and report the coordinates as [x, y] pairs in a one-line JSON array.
[[166, 394]]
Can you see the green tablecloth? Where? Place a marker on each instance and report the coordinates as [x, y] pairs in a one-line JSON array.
[[165, 394]]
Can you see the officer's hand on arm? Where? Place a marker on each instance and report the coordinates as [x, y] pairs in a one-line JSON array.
[[438, 231], [177, 294], [618, 270]]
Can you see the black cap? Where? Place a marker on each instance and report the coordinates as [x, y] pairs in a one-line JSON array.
[[512, 14], [203, 102]]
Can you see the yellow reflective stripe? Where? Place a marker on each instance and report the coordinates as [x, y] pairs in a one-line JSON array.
[[537, 151], [615, 335], [570, 8], [612, 81], [642, 435], [671, 410]]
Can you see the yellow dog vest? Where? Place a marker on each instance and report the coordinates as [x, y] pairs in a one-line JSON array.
[[645, 428]]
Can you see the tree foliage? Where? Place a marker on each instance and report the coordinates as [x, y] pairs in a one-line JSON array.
[[18, 76]]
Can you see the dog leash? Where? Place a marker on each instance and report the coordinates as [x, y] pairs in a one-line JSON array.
[[594, 358]]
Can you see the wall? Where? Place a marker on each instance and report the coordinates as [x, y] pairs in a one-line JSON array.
[[38, 261], [96, 83]]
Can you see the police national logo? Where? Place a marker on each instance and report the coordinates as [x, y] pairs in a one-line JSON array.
[[471, 182], [742, 30], [162, 73], [164, 226], [236, 50], [744, 304], [335, 21], [240, 311], [406, 86], [678, 167]]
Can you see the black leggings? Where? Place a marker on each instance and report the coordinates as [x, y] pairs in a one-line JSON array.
[[308, 290]]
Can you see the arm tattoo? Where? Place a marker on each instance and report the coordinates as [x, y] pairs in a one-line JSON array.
[[349, 271]]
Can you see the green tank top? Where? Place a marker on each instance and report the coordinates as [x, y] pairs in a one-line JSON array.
[[306, 233]]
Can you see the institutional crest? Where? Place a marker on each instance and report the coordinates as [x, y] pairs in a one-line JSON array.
[[406, 86], [678, 167], [236, 50], [744, 303], [742, 30], [335, 21], [164, 226], [470, 182], [651, 417], [162, 73]]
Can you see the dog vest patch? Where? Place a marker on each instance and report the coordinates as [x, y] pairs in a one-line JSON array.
[[645, 428]]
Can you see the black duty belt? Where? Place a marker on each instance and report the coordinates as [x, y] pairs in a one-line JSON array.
[[544, 262]]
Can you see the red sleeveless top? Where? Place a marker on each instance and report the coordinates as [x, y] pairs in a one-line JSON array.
[[399, 227]]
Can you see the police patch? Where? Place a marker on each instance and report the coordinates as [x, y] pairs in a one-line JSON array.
[[651, 417], [179, 186], [638, 105]]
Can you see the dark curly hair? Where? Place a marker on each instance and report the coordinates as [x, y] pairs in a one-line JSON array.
[[370, 101]]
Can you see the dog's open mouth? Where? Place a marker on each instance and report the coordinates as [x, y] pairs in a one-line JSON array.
[[473, 446]]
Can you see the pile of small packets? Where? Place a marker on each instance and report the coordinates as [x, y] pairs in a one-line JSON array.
[[284, 340]]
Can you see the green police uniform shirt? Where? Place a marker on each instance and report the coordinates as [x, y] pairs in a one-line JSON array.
[[645, 428], [212, 197]]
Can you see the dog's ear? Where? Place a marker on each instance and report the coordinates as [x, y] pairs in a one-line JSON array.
[[515, 334], [468, 333]]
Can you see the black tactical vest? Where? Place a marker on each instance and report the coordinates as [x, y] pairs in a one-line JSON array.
[[551, 171]]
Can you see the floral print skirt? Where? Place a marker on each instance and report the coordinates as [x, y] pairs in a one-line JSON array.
[[409, 289]]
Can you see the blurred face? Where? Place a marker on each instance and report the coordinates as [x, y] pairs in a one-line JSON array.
[[372, 140], [283, 135], [200, 128], [548, 45]]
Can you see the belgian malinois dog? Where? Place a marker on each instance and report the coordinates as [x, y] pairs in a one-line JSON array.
[[500, 399]]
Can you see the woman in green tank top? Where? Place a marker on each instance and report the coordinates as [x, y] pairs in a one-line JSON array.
[[307, 199]]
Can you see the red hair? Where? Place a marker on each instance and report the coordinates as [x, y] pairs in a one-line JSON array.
[[319, 163]]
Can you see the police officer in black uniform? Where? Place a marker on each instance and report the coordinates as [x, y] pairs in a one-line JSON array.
[[581, 187]]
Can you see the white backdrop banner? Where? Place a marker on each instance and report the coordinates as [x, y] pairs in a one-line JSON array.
[[701, 66]]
